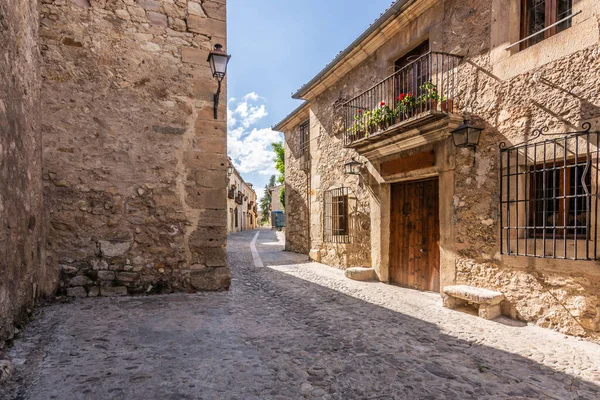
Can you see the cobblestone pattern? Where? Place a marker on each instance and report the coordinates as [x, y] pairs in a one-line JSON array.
[[294, 330], [134, 162]]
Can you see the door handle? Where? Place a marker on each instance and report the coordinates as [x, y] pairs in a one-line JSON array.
[[423, 250]]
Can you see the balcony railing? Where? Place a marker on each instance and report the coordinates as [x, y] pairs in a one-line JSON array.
[[239, 198], [426, 85]]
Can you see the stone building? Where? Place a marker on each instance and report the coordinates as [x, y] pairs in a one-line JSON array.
[[242, 205], [275, 193], [112, 165], [374, 177], [24, 273]]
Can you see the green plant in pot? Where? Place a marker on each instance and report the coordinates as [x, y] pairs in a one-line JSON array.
[[382, 117], [428, 96], [405, 105], [357, 130]]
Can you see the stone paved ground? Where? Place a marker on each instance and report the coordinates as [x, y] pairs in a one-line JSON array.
[[293, 330]]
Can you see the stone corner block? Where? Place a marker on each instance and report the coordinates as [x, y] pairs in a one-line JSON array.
[[113, 249], [361, 274], [211, 279], [113, 291], [77, 291]]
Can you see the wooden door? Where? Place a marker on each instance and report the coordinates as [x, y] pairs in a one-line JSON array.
[[415, 235]]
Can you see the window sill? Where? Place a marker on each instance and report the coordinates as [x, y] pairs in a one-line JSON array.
[[578, 37]]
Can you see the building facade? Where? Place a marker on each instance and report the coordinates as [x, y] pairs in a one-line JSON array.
[[374, 176], [242, 204], [112, 164]]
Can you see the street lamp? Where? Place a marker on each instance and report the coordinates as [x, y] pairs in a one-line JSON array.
[[218, 61], [352, 167], [466, 135]]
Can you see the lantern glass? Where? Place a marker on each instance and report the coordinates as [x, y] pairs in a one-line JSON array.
[[460, 138], [218, 60], [352, 168], [473, 136]]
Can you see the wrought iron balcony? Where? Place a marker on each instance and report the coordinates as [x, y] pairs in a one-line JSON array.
[[239, 198], [427, 86]]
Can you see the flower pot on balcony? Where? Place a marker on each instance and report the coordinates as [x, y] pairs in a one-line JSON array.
[[447, 105], [430, 105]]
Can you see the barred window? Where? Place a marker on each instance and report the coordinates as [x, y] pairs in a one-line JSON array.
[[304, 136], [549, 205], [539, 14], [336, 227]]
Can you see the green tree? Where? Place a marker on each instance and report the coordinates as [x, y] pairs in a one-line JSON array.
[[279, 160], [279, 150], [266, 200]]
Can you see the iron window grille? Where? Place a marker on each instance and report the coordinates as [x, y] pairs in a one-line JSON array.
[[336, 222], [549, 196], [304, 136]]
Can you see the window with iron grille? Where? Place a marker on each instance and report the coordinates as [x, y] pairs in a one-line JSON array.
[[537, 15], [336, 224], [549, 202], [304, 137]]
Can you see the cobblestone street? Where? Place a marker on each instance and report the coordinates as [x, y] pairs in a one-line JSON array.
[[289, 329]]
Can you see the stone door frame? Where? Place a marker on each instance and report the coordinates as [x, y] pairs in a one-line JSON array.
[[381, 209]]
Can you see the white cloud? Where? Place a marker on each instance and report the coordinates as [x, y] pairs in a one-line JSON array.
[[251, 97], [248, 146]]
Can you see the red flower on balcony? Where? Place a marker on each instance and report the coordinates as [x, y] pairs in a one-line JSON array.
[[359, 110], [382, 104]]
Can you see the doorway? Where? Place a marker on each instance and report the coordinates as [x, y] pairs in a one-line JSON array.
[[415, 235]]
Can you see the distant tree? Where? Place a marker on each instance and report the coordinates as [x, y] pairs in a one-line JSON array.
[[279, 160], [279, 150], [266, 200]]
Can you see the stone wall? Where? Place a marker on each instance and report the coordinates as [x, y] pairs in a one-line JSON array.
[[297, 178], [134, 164], [561, 95], [24, 275], [557, 87]]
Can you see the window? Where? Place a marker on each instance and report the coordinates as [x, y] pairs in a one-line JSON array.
[[336, 226], [537, 15], [558, 203], [413, 74], [304, 137], [549, 205]]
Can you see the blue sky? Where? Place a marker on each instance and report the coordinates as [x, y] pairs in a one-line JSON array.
[[276, 47]]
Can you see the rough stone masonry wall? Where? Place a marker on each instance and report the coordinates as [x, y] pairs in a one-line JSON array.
[[328, 156], [23, 273], [564, 295], [134, 164], [296, 195]]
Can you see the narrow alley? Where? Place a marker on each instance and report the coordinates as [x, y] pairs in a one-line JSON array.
[[289, 329]]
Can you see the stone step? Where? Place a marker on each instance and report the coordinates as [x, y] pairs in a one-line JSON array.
[[361, 274]]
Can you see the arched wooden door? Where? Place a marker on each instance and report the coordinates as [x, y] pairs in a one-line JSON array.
[[415, 235]]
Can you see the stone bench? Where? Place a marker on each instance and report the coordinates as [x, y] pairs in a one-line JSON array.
[[488, 300]]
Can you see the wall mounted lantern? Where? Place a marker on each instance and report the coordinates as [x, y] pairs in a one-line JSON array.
[[352, 167], [218, 61], [466, 135], [230, 170]]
